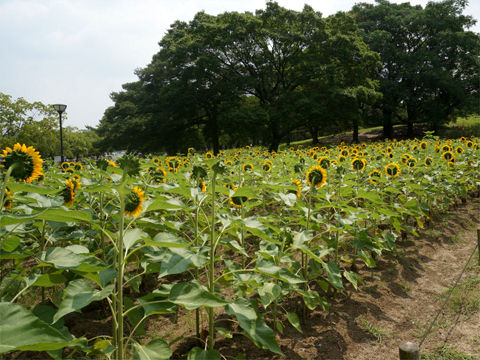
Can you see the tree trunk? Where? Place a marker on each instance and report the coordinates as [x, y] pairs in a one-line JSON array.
[[387, 125], [314, 133], [355, 130]]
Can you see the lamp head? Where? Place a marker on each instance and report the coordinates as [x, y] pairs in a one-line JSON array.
[[60, 108]]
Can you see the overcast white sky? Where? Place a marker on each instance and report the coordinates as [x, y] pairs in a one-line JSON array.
[[77, 52]]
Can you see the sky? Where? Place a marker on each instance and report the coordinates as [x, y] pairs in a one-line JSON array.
[[77, 52]]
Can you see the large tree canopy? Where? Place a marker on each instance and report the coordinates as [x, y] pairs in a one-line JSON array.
[[239, 78], [207, 72], [429, 60]]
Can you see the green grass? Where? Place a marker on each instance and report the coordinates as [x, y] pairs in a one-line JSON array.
[[447, 352], [373, 329]]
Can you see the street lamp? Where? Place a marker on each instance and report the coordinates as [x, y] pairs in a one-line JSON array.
[[60, 109]]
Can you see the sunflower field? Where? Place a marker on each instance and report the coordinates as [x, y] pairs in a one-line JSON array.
[[254, 238]]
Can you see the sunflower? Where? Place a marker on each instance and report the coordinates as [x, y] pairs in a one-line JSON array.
[[358, 164], [374, 176], [341, 158], [267, 166], [27, 161], [423, 145], [133, 202], [156, 160], [446, 148], [324, 162], [247, 167], [112, 163], [159, 175], [411, 163], [459, 150], [392, 169], [7, 202], [447, 155], [404, 158], [316, 176], [201, 186], [209, 155], [173, 163], [68, 193], [428, 161], [78, 166], [299, 187], [344, 152], [65, 165], [469, 144]]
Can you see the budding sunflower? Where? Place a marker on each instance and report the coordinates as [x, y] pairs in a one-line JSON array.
[[26, 162], [133, 202]]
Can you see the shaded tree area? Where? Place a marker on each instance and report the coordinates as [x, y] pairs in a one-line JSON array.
[[255, 78], [36, 124]]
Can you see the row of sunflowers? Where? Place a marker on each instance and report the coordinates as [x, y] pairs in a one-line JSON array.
[[240, 234]]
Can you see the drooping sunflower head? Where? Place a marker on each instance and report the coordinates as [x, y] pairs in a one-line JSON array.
[[134, 201], [130, 164], [392, 169], [374, 176], [68, 193], [316, 176], [198, 172], [26, 162], [358, 164], [428, 161]]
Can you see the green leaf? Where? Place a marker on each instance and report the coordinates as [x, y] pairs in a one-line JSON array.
[[78, 294], [168, 240], [132, 236], [200, 354], [10, 243], [255, 328], [193, 295], [161, 307], [269, 293], [157, 349], [51, 279], [53, 214], [353, 278], [334, 276], [22, 330], [293, 319]]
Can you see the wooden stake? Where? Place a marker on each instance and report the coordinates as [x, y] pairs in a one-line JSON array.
[[409, 351]]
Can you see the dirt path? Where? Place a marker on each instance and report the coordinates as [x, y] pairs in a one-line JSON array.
[[398, 303]]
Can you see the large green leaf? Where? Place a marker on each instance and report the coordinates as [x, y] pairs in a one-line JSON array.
[[334, 275], [157, 349], [253, 325], [53, 214], [78, 294], [63, 258], [22, 330], [132, 236], [200, 354], [193, 295]]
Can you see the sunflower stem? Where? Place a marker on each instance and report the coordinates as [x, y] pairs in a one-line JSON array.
[[211, 281]]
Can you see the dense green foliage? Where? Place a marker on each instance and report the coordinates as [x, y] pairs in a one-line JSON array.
[[278, 74], [263, 238], [37, 124]]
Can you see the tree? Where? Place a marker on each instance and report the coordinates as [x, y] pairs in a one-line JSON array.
[[429, 62]]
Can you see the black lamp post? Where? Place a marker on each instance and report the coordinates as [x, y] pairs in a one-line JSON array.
[[60, 109]]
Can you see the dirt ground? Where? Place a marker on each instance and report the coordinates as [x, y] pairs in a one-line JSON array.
[[398, 302]]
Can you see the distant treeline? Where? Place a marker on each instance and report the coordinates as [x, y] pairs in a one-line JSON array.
[[260, 78]]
